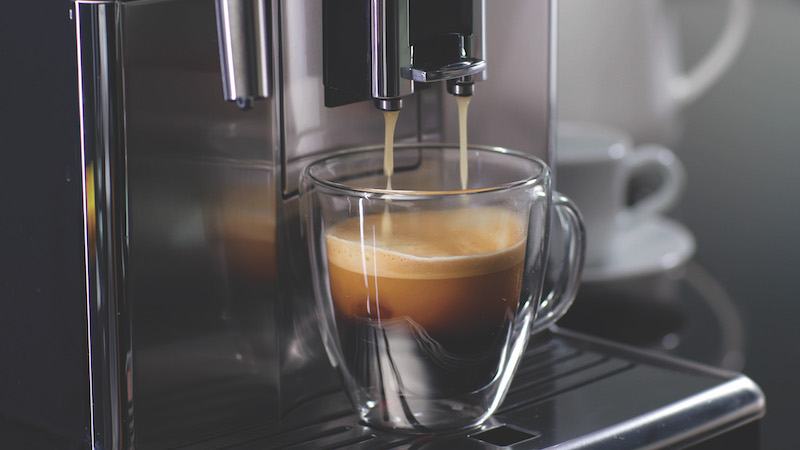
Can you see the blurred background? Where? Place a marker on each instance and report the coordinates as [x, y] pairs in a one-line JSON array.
[[739, 141], [741, 149]]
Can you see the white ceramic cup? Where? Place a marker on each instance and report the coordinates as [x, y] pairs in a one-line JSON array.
[[619, 63], [594, 167]]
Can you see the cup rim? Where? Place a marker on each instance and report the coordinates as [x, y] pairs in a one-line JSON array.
[[342, 188]]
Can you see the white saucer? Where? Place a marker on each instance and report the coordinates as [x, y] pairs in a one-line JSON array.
[[657, 245]]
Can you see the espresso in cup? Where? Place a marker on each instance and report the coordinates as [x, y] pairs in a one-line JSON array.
[[448, 282]]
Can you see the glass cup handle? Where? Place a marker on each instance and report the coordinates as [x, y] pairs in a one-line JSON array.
[[565, 264]]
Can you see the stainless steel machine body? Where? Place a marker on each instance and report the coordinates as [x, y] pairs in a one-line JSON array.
[[202, 318]]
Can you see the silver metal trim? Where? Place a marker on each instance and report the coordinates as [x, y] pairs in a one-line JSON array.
[[102, 157], [458, 69], [479, 37], [552, 89], [85, 207], [687, 421]]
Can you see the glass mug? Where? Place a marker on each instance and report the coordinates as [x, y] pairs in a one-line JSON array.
[[427, 293]]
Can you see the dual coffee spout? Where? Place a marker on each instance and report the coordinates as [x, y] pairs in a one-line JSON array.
[[409, 43], [460, 86], [419, 41]]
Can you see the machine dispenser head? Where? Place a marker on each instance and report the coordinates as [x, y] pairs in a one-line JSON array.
[[406, 42]]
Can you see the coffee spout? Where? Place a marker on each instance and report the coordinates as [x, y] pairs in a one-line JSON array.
[[389, 104], [408, 42], [461, 87]]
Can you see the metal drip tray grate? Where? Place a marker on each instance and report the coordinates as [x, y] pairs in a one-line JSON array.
[[571, 390]]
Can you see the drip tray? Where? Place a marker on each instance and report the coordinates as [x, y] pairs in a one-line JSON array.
[[570, 390]]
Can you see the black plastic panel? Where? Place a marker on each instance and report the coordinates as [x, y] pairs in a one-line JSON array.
[[44, 396]]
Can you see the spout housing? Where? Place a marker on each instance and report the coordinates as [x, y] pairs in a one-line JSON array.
[[408, 42]]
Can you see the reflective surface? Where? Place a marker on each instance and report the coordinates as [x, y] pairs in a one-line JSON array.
[[201, 236], [103, 178], [567, 392], [684, 312]]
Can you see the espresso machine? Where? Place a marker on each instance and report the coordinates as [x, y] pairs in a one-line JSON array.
[[177, 310]]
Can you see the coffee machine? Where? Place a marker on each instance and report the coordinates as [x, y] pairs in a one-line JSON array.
[[185, 291], [202, 115]]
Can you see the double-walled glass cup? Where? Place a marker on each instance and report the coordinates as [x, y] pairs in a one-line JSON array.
[[428, 292]]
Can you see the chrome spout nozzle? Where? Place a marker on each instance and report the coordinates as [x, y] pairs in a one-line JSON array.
[[389, 104], [460, 88]]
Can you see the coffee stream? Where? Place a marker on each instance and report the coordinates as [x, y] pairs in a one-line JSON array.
[[390, 120], [435, 293], [390, 123], [463, 106]]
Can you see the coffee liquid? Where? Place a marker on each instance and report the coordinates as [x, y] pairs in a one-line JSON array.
[[390, 122], [442, 288], [463, 107]]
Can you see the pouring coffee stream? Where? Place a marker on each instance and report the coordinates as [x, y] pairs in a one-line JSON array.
[[390, 123], [380, 338], [463, 107], [390, 120]]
